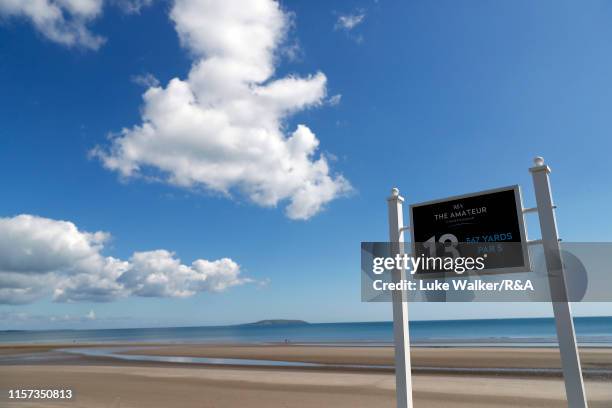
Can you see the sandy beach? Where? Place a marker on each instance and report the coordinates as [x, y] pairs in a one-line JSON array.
[[104, 382]]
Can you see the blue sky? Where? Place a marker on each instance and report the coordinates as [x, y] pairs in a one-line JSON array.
[[437, 97]]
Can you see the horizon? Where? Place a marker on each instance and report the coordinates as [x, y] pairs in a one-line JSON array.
[[298, 321]]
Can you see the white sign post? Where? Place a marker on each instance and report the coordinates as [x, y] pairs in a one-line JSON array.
[[570, 360], [403, 375]]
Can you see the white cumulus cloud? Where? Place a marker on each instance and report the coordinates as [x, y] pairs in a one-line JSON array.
[[223, 127], [67, 22], [41, 257], [132, 6], [147, 80], [349, 21], [160, 274], [61, 21], [334, 100]]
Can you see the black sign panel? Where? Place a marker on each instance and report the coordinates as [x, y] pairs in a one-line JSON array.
[[488, 222]]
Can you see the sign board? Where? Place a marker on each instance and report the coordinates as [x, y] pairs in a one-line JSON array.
[[488, 222]]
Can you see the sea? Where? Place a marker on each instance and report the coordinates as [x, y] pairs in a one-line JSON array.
[[534, 332]]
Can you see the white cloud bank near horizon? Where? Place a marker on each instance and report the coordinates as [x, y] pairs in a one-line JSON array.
[[42, 257], [222, 128]]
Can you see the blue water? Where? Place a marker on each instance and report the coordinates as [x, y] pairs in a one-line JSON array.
[[591, 331]]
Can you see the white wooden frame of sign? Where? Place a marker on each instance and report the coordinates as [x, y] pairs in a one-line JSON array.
[[566, 335]]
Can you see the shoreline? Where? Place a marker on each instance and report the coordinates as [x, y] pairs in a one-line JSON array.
[[596, 362]]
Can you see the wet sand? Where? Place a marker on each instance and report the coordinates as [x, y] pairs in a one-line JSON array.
[[469, 357], [103, 382]]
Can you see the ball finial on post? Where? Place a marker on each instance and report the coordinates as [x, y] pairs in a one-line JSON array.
[[395, 195], [538, 161]]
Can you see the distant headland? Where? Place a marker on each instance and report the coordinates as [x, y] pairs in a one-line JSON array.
[[275, 322]]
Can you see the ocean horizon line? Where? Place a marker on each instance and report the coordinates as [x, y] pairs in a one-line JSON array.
[[298, 322]]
